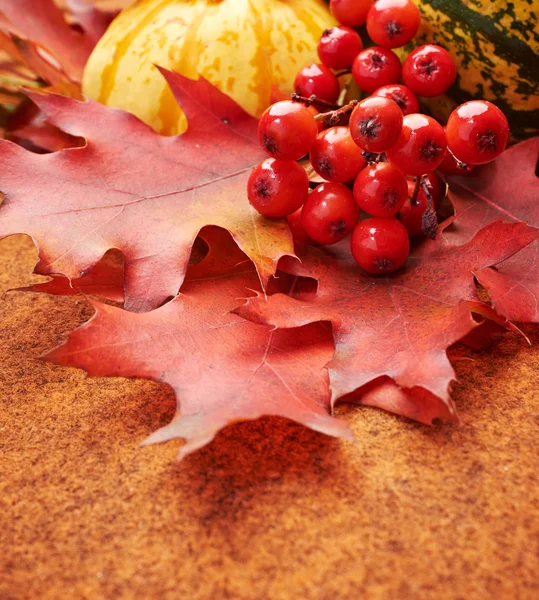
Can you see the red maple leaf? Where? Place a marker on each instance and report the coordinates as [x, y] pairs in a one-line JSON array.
[[508, 189], [222, 367], [397, 328], [139, 192]]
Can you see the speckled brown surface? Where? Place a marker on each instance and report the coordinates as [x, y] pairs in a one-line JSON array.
[[269, 510]]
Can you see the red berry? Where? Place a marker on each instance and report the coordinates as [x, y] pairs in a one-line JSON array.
[[420, 147], [318, 80], [287, 130], [380, 246], [339, 46], [335, 156], [412, 211], [375, 124], [400, 94], [380, 190], [330, 213], [277, 188], [477, 132], [429, 71], [374, 67], [350, 12], [393, 23], [294, 222]]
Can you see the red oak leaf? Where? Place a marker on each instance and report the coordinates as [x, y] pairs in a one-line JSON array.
[[27, 126], [506, 189], [92, 19], [42, 23], [139, 192], [105, 279], [222, 367], [414, 403], [397, 327], [26, 53]]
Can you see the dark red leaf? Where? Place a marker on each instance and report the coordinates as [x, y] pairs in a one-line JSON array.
[[42, 23], [142, 193], [506, 189], [105, 279], [222, 368], [397, 327]]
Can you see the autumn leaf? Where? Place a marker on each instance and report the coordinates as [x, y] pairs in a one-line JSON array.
[[397, 327], [141, 193], [105, 280], [508, 189], [40, 24], [27, 126], [92, 19], [222, 368]]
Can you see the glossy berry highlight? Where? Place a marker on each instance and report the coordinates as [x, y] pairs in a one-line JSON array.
[[335, 156], [338, 47], [352, 13], [375, 124], [420, 147], [319, 81], [429, 71], [277, 188], [380, 190], [380, 246], [393, 23], [287, 130], [477, 132], [375, 67], [401, 95], [330, 213]]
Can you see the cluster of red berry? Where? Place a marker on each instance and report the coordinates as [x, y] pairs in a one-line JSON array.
[[378, 155]]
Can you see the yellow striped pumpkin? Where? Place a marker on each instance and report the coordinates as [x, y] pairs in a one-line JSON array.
[[241, 46], [496, 48]]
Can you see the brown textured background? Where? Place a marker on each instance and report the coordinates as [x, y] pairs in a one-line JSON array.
[[270, 510]]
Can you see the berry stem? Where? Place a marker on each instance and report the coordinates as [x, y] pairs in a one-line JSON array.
[[314, 100], [344, 92], [429, 222], [413, 197], [371, 157], [332, 117], [460, 164], [343, 72]]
